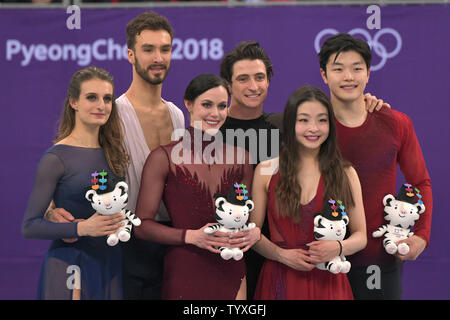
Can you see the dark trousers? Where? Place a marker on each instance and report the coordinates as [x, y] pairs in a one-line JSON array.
[[143, 266], [383, 282]]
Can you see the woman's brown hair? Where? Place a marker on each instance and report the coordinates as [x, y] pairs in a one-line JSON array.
[[331, 163], [110, 135]]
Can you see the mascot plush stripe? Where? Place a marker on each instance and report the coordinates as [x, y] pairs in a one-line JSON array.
[[109, 196]]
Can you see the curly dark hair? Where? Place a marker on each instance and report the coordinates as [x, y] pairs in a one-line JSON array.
[[146, 21]]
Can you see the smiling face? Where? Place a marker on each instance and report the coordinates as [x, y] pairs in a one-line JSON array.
[[209, 110], [94, 104], [110, 202], [151, 55], [347, 76], [249, 84], [325, 229], [312, 125], [400, 212], [231, 215]]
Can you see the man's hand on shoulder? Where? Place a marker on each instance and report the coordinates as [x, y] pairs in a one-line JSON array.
[[373, 103]]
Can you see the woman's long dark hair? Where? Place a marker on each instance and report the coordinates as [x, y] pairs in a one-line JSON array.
[[110, 136], [331, 163]]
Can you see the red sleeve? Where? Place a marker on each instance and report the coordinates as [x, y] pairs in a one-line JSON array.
[[153, 181], [412, 165], [247, 177]]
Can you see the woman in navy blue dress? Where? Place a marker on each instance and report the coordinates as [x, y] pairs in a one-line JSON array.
[[79, 264]]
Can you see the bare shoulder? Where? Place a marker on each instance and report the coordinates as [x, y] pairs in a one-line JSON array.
[[352, 174], [265, 170], [268, 167]]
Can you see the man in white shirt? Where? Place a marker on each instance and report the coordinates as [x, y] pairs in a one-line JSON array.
[[148, 122]]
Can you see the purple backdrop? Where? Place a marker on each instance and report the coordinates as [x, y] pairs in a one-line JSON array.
[[39, 53]]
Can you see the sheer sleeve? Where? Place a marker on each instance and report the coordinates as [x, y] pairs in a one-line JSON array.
[[49, 172], [153, 181], [247, 177]]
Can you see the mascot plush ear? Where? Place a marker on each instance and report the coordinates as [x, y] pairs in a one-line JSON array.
[[123, 186], [232, 213], [90, 195], [401, 213], [331, 224], [387, 199], [250, 205], [108, 196]]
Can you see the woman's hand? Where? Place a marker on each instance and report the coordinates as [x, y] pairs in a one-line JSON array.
[[323, 250], [297, 259], [99, 225], [245, 239], [207, 241], [60, 215]]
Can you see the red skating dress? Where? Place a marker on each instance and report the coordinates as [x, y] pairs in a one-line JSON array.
[[187, 190], [280, 282]]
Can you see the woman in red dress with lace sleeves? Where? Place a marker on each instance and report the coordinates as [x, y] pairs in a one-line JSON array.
[[292, 188], [185, 175]]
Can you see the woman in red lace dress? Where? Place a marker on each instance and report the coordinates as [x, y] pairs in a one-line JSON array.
[[185, 175], [309, 171]]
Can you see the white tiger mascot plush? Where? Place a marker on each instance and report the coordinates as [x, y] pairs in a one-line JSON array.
[[331, 224], [401, 213], [232, 212], [109, 197]]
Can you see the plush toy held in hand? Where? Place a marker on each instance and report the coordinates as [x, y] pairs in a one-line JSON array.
[[401, 213], [331, 224], [232, 212], [107, 197]]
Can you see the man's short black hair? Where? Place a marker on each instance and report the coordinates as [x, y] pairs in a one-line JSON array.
[[246, 50], [343, 42]]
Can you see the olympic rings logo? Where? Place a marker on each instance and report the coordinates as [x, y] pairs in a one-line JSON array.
[[374, 43]]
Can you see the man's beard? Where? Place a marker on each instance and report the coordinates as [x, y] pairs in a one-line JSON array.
[[143, 73]]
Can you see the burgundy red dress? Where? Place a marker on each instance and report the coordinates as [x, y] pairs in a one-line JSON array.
[[187, 190], [280, 282]]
